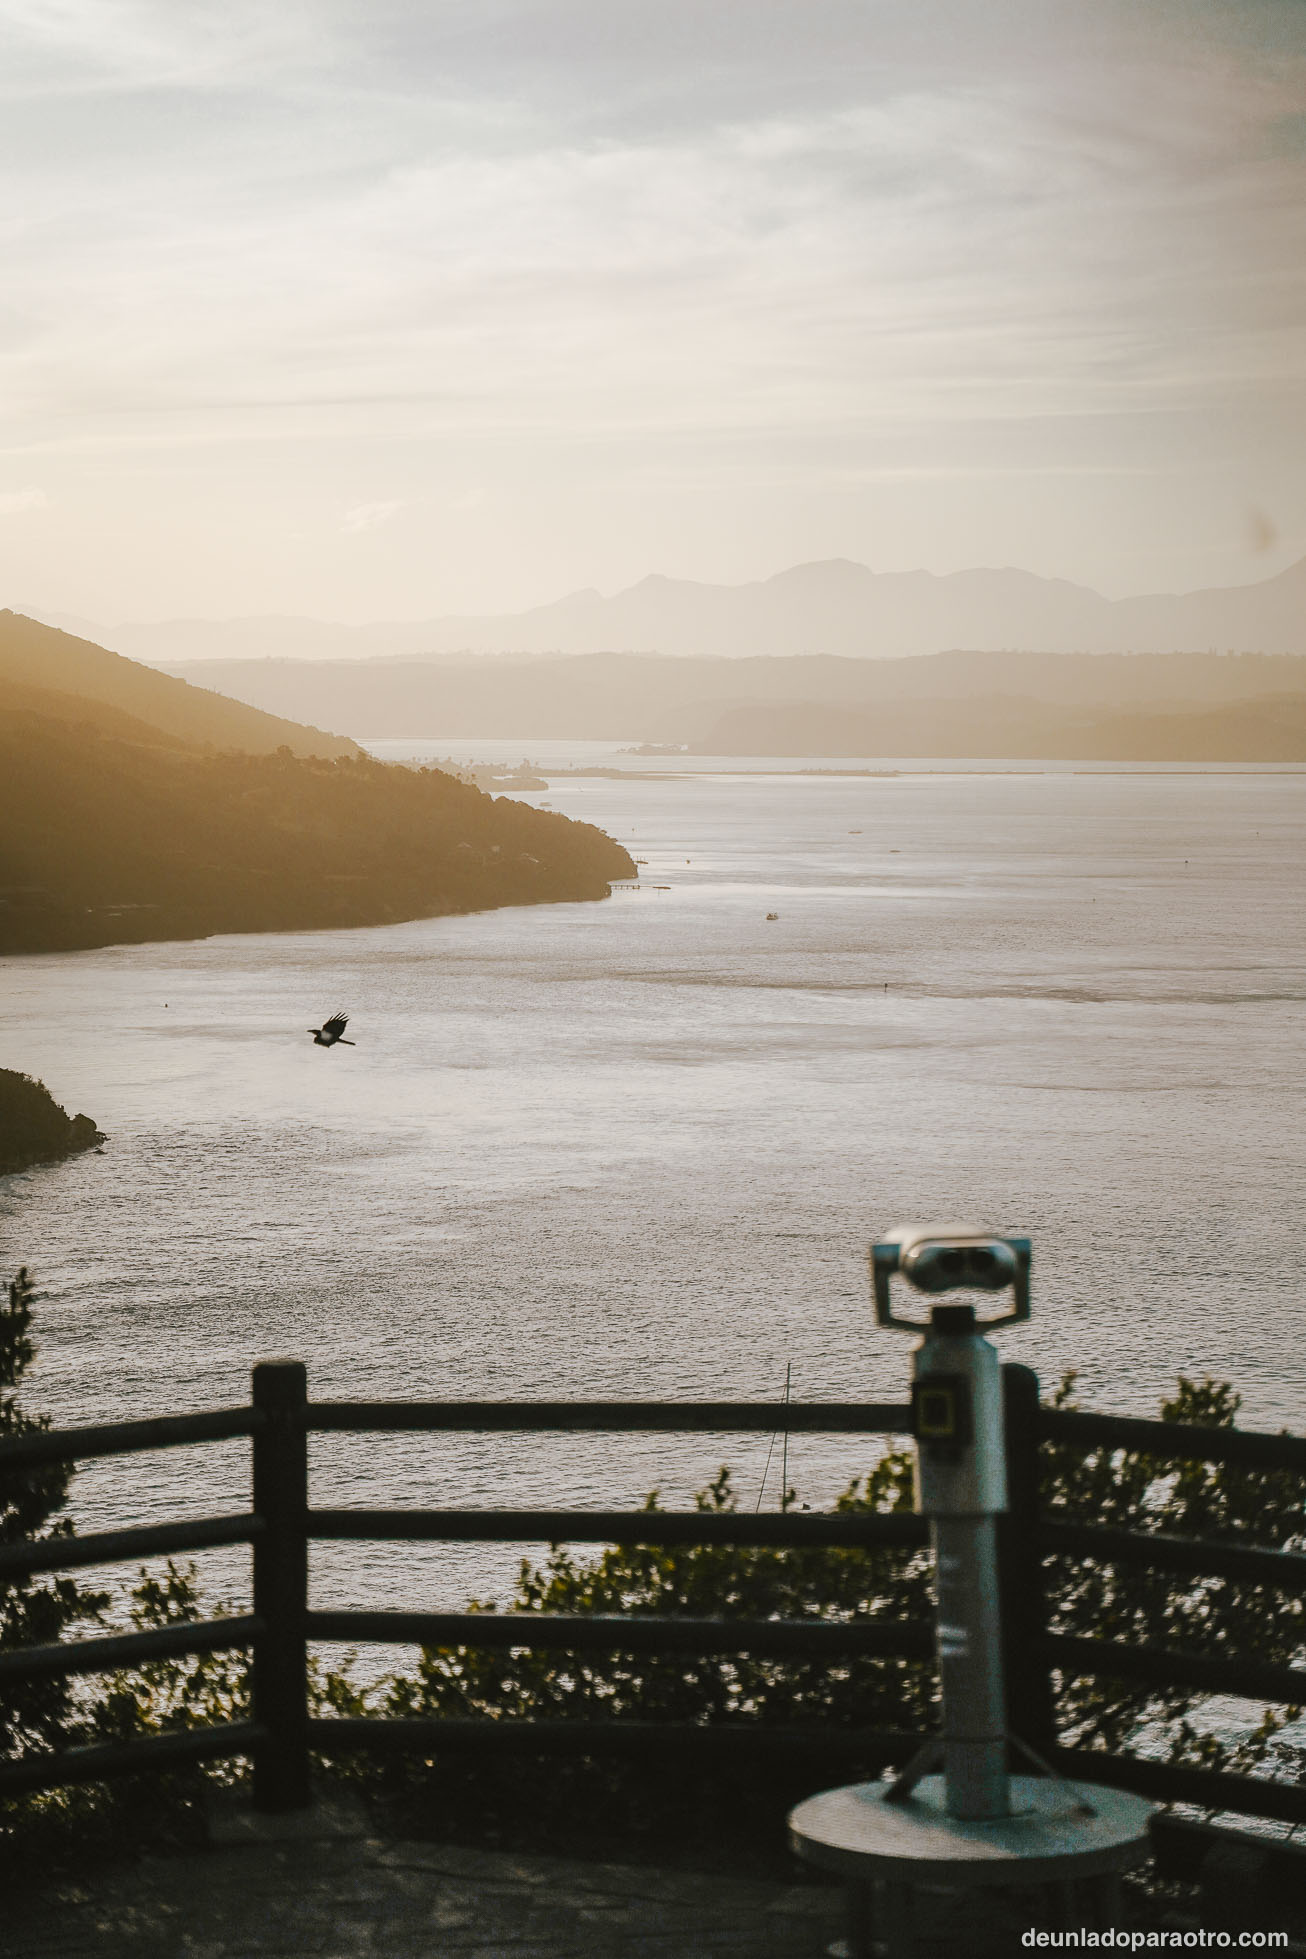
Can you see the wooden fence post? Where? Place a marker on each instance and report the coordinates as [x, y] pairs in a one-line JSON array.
[[280, 1695], [1031, 1711]]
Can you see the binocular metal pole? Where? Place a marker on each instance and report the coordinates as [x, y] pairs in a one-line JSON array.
[[970, 1666], [961, 1487]]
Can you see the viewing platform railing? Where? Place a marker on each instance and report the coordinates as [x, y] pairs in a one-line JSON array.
[[281, 1736]]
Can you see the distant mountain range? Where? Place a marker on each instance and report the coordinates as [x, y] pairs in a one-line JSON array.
[[1199, 707], [835, 607]]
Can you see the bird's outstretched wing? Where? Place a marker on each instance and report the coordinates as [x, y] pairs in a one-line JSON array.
[[336, 1025]]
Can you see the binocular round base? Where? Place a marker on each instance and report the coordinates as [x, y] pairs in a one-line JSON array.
[[1047, 1836]]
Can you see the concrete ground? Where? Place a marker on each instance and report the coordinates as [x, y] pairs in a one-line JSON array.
[[329, 1886], [334, 1891]]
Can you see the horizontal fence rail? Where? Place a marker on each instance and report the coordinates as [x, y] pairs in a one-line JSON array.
[[1085, 1430], [113, 1546], [1239, 1447], [1171, 1782], [126, 1438], [619, 1632], [280, 1526], [873, 1749], [129, 1649], [839, 1529], [104, 1759], [599, 1417], [1201, 1557], [1163, 1666]]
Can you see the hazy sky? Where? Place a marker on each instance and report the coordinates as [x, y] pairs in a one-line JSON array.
[[366, 309]]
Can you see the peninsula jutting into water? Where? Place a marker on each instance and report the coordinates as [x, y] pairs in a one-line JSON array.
[[33, 1127], [203, 819]]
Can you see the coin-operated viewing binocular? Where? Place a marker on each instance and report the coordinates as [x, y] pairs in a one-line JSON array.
[[961, 1480], [946, 1258], [977, 1823]]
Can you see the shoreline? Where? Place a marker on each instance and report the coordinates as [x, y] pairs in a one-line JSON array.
[[1276, 770]]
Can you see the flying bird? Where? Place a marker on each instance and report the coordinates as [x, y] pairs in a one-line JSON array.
[[331, 1031]]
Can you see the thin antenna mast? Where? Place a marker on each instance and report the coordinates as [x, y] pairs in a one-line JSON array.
[[784, 1459]]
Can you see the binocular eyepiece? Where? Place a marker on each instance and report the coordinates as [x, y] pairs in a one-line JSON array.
[[932, 1265], [946, 1258]]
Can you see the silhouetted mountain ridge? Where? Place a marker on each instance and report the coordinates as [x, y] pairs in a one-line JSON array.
[[835, 606]]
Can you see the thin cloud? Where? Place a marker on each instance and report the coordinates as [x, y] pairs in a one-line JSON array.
[[369, 516], [544, 244], [15, 500]]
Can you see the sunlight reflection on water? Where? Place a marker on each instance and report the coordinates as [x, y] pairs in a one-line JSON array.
[[638, 1147]]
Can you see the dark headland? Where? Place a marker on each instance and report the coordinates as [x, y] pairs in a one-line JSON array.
[[33, 1127], [141, 808]]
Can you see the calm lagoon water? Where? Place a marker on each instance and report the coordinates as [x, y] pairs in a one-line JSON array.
[[639, 1147]]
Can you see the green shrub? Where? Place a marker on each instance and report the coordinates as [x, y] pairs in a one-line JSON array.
[[1126, 1489], [195, 1690], [38, 1715], [702, 1581]]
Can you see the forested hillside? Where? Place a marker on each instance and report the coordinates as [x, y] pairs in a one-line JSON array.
[[107, 841], [41, 658]]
